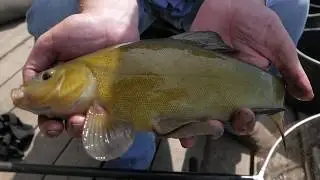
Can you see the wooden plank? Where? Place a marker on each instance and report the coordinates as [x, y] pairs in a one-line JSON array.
[[5, 101], [230, 156], [289, 119], [284, 163], [22, 176], [316, 162], [225, 155], [306, 148], [31, 119], [74, 155], [310, 142], [14, 51], [42, 151], [12, 35], [26, 117], [14, 61], [171, 156], [10, 76]]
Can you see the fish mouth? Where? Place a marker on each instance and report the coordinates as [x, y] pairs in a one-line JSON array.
[[17, 96], [19, 99]]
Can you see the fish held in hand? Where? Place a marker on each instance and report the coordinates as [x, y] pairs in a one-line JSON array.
[[160, 85]]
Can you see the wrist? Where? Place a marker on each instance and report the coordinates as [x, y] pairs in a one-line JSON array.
[[213, 15], [115, 9], [118, 19], [102, 5]]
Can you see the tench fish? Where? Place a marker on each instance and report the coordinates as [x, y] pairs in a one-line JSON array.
[[158, 85]]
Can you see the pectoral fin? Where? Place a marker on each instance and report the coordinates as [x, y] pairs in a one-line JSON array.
[[173, 126], [195, 129], [267, 111], [105, 138], [165, 125]]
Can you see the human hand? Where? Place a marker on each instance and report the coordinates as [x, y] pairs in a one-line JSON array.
[[258, 34], [77, 35], [242, 122]]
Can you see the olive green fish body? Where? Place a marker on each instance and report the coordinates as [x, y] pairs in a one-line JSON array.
[[166, 78], [152, 85]]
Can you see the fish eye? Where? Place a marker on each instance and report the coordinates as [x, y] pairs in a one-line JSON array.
[[46, 75]]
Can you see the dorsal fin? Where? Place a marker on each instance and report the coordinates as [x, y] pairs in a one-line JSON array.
[[206, 39]]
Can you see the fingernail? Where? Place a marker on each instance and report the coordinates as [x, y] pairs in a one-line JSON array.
[[75, 126], [218, 129], [218, 132], [52, 133], [300, 93]]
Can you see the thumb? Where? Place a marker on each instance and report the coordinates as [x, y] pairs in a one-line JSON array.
[[40, 58], [277, 46], [243, 121]]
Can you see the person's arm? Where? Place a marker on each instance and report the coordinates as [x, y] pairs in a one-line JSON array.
[[113, 13], [114, 9], [105, 6]]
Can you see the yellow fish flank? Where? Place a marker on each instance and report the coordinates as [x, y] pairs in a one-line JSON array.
[[155, 85]]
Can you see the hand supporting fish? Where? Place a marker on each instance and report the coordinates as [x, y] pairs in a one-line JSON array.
[[169, 86]]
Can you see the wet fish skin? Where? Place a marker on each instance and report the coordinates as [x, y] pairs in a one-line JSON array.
[[152, 85]]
